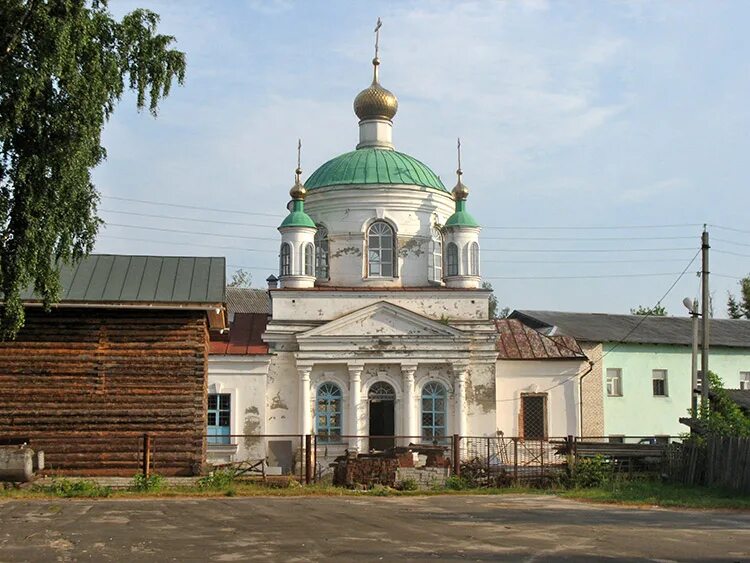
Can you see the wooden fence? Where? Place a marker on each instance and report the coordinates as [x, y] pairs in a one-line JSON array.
[[720, 461]]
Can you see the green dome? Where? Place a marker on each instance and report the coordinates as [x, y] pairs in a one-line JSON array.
[[297, 217], [461, 218], [374, 166]]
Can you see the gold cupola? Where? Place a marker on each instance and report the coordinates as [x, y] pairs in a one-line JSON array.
[[375, 102]]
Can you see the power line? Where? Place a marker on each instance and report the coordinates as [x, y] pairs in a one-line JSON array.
[[177, 243], [730, 241], [622, 340], [588, 239], [733, 229], [730, 253], [585, 250], [603, 276], [591, 227], [194, 207], [633, 261], [182, 231], [191, 219]]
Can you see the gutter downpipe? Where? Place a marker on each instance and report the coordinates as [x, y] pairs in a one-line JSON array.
[[580, 393]]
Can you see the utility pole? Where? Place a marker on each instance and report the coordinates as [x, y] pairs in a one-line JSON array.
[[705, 322]]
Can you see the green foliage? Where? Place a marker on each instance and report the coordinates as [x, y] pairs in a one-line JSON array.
[[154, 482], [408, 485], [494, 312], [68, 488], [591, 472], [740, 308], [657, 310], [457, 483], [64, 65], [221, 479], [241, 278], [379, 490], [723, 417]]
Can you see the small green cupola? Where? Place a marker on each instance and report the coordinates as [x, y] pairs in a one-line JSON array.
[[297, 216], [461, 217]]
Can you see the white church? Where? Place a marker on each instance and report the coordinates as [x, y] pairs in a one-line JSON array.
[[378, 330]]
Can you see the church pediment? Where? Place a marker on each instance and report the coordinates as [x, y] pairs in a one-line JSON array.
[[383, 319]]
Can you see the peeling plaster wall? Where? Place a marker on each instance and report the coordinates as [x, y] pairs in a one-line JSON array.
[[244, 379], [282, 395], [347, 212], [593, 392], [321, 305], [556, 378], [481, 400]]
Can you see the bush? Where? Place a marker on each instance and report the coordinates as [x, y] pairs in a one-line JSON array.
[[68, 488], [379, 490], [221, 479], [150, 483], [592, 472], [457, 483], [408, 485]]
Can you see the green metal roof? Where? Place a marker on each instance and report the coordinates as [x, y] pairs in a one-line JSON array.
[[374, 166], [112, 278], [297, 217], [461, 217]]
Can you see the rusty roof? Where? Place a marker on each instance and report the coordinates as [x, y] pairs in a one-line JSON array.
[[516, 341], [243, 338]]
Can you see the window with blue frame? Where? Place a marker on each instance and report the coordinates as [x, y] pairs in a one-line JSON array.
[[328, 413], [434, 411], [219, 411]]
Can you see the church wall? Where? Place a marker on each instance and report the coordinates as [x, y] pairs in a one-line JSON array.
[[282, 395], [556, 379], [321, 305], [481, 400]]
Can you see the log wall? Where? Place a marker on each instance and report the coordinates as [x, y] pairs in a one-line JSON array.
[[85, 384]]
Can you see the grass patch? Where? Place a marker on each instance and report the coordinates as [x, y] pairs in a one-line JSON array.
[[640, 492]]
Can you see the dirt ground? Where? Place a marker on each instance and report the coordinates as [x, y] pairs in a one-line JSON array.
[[452, 528]]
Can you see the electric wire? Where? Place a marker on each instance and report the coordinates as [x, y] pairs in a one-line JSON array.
[[194, 207]]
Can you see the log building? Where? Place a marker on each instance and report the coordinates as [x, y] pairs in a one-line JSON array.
[[123, 353]]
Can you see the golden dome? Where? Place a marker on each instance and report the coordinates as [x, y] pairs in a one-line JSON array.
[[298, 191], [460, 191], [375, 102]]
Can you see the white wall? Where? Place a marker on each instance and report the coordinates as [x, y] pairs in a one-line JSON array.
[[557, 378]]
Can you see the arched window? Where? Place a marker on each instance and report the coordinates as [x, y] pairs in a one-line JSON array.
[[474, 255], [285, 261], [321, 253], [434, 411], [309, 259], [435, 257], [381, 391], [380, 250], [451, 259], [328, 413]]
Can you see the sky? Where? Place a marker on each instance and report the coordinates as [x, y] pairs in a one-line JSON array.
[[597, 137]]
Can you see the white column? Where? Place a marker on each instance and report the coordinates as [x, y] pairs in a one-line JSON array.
[[305, 399], [410, 416], [355, 398], [459, 375]]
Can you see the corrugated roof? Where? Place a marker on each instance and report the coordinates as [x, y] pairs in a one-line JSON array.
[[603, 327], [243, 338], [741, 397], [516, 341], [113, 278], [248, 300]]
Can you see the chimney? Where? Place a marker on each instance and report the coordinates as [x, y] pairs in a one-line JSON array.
[[273, 282]]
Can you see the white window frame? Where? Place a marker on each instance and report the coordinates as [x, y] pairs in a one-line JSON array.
[[745, 380], [660, 375], [451, 259], [614, 383], [435, 256], [309, 259], [377, 252], [285, 266], [474, 258], [322, 264]]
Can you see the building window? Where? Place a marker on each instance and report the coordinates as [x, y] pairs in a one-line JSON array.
[[219, 411], [328, 413], [380, 250], [474, 255], [309, 259], [321, 253], [745, 380], [285, 268], [614, 382], [617, 439], [434, 411], [436, 256], [659, 378], [451, 259], [534, 416]]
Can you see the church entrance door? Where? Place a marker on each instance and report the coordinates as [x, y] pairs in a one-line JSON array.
[[382, 399]]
